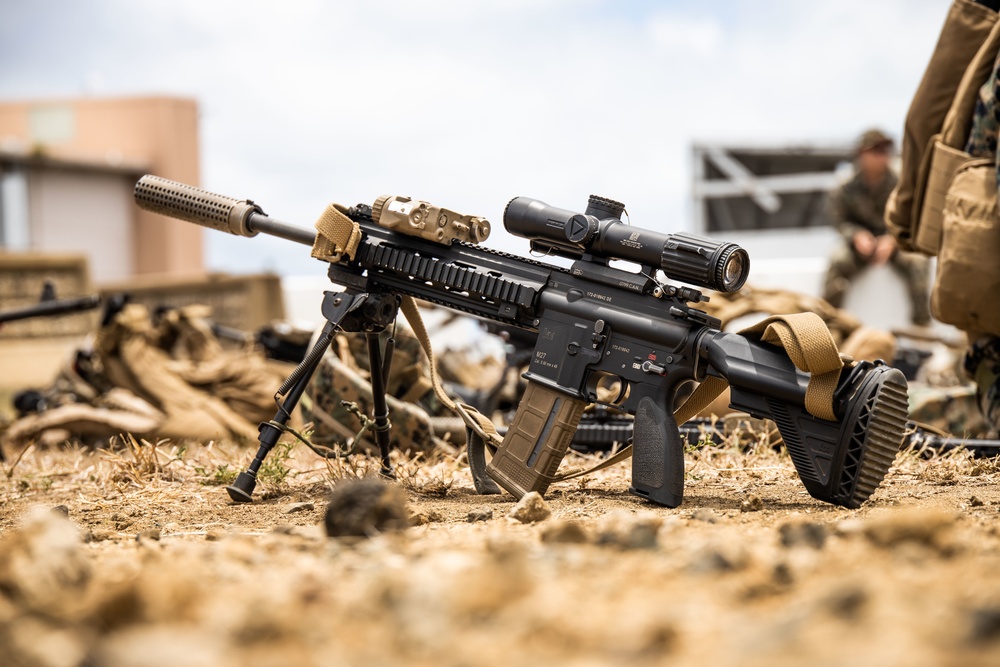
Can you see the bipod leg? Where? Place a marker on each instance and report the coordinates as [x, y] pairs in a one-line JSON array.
[[380, 365], [241, 490], [336, 308]]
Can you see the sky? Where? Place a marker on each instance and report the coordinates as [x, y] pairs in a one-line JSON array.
[[469, 103]]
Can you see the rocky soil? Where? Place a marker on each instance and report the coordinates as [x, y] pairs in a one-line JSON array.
[[137, 557]]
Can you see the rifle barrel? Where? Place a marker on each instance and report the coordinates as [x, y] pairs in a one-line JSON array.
[[283, 230], [240, 217], [50, 308]]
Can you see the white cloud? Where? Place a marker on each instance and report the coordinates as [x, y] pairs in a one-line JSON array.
[[470, 103]]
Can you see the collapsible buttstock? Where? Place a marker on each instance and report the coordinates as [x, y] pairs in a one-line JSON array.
[[536, 441], [842, 462]]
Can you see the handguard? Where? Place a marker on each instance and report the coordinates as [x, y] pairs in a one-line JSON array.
[[536, 441]]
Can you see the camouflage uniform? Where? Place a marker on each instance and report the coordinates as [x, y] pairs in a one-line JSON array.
[[982, 362], [855, 207]]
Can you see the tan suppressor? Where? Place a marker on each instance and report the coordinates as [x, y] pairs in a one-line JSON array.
[[201, 207]]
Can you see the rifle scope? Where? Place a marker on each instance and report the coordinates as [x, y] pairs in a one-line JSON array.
[[600, 232]]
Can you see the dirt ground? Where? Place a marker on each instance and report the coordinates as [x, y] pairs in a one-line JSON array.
[[137, 557]]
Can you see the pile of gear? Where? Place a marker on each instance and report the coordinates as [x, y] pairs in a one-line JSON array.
[[161, 375], [167, 374]]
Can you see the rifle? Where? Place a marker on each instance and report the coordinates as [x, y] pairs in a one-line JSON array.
[[594, 322], [49, 306]]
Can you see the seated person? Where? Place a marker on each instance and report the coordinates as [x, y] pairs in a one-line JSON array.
[[857, 209]]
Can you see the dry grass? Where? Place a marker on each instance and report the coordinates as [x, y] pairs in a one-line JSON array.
[[944, 468], [746, 460]]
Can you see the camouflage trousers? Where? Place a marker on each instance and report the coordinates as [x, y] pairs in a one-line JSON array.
[[846, 264], [982, 363]]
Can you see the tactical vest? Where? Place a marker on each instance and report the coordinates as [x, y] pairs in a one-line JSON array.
[[946, 202]]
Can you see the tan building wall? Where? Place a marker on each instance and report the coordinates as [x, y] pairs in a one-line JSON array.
[[160, 133]]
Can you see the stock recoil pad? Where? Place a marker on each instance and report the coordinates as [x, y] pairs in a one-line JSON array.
[[844, 463]]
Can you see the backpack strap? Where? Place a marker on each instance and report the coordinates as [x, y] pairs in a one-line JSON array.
[[958, 121], [967, 27]]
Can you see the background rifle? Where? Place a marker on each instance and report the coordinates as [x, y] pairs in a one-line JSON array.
[[50, 306], [595, 323], [603, 432]]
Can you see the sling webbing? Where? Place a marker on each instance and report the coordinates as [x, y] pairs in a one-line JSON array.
[[337, 235], [804, 337]]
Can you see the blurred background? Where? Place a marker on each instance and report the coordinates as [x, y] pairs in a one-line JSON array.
[[682, 110]]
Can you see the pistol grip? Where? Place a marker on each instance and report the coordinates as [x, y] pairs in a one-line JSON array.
[[536, 441], [657, 455]]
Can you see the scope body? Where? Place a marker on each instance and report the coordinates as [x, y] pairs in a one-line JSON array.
[[600, 233]]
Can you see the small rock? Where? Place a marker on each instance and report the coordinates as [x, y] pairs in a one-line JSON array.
[[804, 533], [215, 535], [974, 501], [148, 534], [722, 557], [101, 534], [706, 515], [630, 532], [641, 536], [479, 514], [782, 575], [364, 508], [566, 532], [421, 518], [986, 624], [121, 521], [752, 503], [530, 508], [64, 511], [915, 526], [849, 527], [435, 487], [300, 507], [43, 565], [847, 603]]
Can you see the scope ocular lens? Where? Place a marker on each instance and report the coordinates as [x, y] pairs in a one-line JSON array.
[[734, 272]]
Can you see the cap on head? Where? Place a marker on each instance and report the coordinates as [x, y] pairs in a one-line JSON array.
[[873, 139]]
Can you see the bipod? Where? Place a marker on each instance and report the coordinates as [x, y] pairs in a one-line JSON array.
[[349, 311]]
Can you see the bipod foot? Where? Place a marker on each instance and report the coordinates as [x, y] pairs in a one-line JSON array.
[[241, 490]]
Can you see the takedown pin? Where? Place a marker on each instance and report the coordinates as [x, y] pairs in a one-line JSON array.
[[650, 367]]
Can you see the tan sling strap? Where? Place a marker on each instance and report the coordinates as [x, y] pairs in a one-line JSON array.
[[808, 343], [804, 336], [474, 419], [337, 235], [966, 27], [810, 346]]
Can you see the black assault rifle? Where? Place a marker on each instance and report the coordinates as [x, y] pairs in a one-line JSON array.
[[593, 321]]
